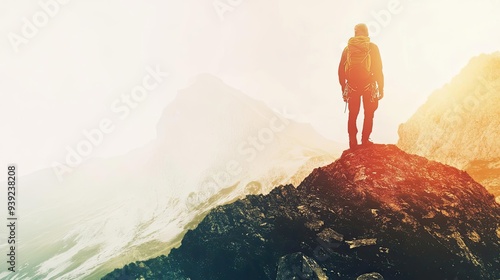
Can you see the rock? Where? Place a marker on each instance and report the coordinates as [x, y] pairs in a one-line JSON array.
[[297, 266], [428, 215], [329, 235], [370, 276], [458, 125], [361, 242]]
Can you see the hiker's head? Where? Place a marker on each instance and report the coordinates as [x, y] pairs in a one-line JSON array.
[[361, 30]]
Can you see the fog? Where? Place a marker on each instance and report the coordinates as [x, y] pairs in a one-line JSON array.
[[64, 63]]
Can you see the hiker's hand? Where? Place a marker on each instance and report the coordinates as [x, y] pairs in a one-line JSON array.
[[344, 96], [380, 94]]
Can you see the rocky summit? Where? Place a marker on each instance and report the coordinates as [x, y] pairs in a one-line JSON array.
[[375, 213]]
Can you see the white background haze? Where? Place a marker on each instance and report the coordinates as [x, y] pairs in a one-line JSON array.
[[171, 158], [283, 52]]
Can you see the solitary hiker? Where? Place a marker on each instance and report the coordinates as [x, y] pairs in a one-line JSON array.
[[361, 77]]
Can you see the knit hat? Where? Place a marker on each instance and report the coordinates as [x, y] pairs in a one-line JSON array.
[[361, 30]]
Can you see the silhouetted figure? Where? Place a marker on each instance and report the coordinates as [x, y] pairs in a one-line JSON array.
[[361, 77]]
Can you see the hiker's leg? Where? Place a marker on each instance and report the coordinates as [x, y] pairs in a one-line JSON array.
[[354, 106], [369, 108]]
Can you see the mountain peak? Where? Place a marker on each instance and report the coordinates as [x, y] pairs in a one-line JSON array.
[[386, 174], [376, 211]]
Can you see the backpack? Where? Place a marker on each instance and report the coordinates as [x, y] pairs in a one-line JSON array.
[[358, 60]]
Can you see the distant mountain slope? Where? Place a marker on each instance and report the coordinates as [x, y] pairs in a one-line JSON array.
[[210, 124], [460, 123], [375, 210], [214, 145]]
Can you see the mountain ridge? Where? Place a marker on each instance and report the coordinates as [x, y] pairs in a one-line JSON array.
[[375, 210], [148, 198], [458, 125]]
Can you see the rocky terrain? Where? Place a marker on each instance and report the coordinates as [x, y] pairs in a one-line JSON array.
[[375, 213], [459, 125], [215, 145]]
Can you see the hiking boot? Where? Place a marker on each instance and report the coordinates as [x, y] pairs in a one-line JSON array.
[[353, 143], [366, 142]]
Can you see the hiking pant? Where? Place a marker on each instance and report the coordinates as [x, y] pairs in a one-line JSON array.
[[369, 108]]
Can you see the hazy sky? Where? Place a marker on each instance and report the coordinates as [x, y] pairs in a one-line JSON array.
[[61, 74]]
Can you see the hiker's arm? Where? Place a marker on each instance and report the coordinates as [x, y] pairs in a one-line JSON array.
[[342, 76], [377, 68]]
